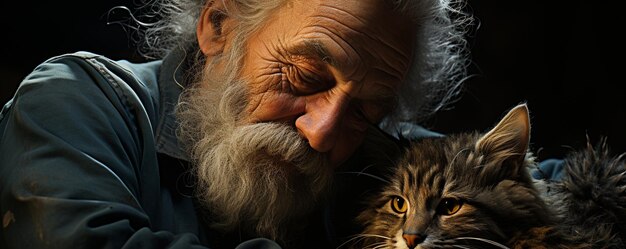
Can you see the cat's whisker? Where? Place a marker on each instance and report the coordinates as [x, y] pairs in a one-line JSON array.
[[367, 167], [457, 155], [485, 241], [355, 239], [462, 247], [365, 174], [359, 237], [367, 235], [377, 245]]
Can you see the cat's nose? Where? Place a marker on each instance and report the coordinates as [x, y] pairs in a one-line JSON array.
[[413, 239]]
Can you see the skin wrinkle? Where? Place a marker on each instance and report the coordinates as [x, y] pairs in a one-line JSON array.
[[305, 84], [353, 47], [327, 26], [277, 51], [299, 61], [315, 47], [398, 56], [341, 24], [361, 20], [397, 52], [391, 69], [397, 77], [354, 62], [288, 110], [324, 54], [365, 76], [284, 79], [293, 76], [330, 23], [309, 50], [274, 70], [264, 93], [255, 102], [271, 94]]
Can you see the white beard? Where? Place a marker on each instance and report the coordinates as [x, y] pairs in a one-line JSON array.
[[256, 177]]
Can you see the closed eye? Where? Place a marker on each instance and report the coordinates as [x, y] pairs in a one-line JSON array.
[[312, 80], [305, 81]]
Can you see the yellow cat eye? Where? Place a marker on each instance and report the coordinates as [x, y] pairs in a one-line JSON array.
[[398, 204], [449, 206]]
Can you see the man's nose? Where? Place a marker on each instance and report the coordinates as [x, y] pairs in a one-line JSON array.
[[322, 121]]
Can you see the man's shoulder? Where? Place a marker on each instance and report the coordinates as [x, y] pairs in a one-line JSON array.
[[139, 71], [83, 66], [79, 71], [70, 78]]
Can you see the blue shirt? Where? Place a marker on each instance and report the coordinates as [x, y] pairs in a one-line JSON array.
[[79, 158]]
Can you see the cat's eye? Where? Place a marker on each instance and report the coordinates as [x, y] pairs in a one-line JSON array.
[[398, 204], [449, 206]]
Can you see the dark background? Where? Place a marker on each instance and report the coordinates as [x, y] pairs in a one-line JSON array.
[[563, 58]]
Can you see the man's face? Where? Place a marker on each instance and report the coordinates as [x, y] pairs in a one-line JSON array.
[[329, 68], [266, 138]]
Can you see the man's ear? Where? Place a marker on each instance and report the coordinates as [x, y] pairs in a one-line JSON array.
[[211, 30]]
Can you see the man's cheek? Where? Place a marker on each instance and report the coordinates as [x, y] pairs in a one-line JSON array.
[[275, 106]]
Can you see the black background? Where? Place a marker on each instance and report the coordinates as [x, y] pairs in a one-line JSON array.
[[563, 58]]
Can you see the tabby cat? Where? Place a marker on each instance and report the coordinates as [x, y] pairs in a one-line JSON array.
[[474, 190]]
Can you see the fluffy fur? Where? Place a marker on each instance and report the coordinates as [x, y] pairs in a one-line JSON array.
[[486, 176]]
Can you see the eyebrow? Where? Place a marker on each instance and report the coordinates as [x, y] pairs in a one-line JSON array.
[[313, 49]]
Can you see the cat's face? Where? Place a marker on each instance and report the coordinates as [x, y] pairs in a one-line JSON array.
[[461, 191]]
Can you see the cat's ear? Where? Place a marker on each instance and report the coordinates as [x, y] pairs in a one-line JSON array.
[[507, 143]]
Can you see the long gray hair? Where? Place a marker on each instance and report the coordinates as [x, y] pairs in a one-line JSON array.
[[436, 75]]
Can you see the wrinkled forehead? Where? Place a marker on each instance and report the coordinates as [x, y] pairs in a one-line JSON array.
[[378, 15], [359, 30]]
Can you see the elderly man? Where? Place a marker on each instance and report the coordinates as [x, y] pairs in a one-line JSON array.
[[234, 134]]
